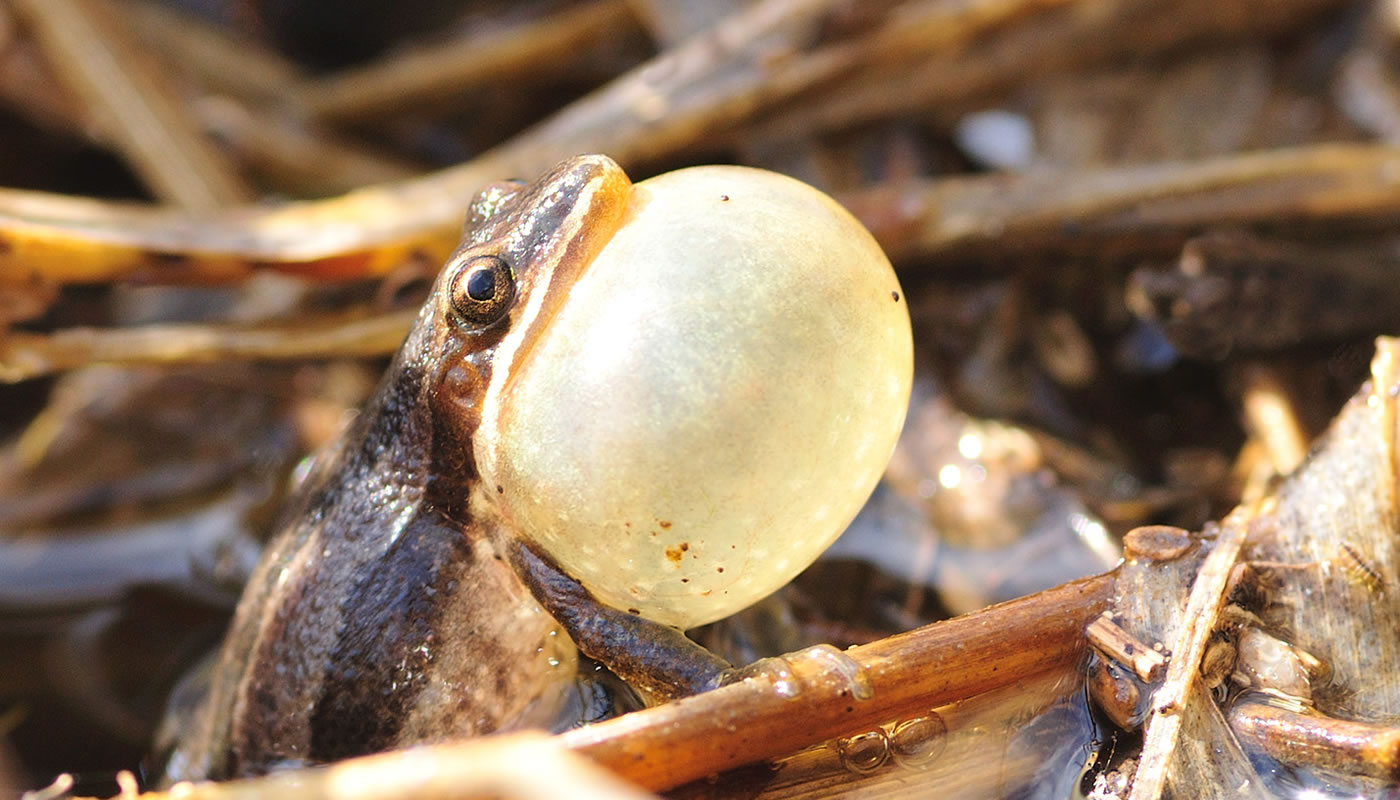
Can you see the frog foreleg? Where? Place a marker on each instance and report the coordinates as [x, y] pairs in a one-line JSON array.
[[656, 659]]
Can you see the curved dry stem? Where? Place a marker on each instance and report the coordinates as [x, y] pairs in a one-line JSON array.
[[30, 355], [841, 692]]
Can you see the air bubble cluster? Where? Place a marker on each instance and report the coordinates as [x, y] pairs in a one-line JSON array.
[[912, 743]]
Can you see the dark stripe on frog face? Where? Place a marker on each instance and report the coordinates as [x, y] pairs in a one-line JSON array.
[[547, 233], [592, 199], [381, 664]]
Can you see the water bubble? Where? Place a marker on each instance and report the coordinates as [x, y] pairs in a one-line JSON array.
[[864, 753], [917, 741], [778, 672], [855, 675]]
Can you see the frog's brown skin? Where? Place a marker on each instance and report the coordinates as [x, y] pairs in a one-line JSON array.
[[387, 612]]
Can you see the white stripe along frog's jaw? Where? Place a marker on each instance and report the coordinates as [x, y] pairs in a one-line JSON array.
[[546, 272]]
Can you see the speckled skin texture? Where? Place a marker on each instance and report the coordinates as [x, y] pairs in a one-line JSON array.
[[385, 613]]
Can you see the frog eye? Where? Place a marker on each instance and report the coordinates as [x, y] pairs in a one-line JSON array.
[[482, 291]]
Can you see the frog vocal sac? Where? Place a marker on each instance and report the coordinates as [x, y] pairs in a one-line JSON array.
[[623, 411]]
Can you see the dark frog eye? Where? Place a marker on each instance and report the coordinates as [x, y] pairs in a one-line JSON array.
[[482, 291]]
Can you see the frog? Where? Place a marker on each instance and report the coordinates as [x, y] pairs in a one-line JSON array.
[[624, 411], [393, 607]]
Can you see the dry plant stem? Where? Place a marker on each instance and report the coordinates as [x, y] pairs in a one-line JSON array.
[[1037, 38], [1312, 741], [718, 78], [707, 84], [86, 43], [222, 62], [1183, 673], [948, 221], [666, 746], [1253, 471], [1269, 417], [522, 766], [1139, 209], [29, 355], [923, 32], [1108, 638], [711, 81], [61, 786], [27, 86], [770, 52], [672, 21], [908, 673], [293, 157], [452, 68], [9, 770]]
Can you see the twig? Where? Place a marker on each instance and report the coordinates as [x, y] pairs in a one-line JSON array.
[[1036, 37], [28, 355], [1306, 739], [707, 84], [1096, 213], [294, 157], [62, 784], [1269, 417], [457, 66], [1142, 210], [1116, 643], [783, 705], [672, 21], [27, 86], [221, 61], [88, 48], [521, 766], [811, 697], [773, 50], [1183, 673]]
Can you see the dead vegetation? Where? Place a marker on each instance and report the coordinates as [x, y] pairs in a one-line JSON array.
[[1147, 247]]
